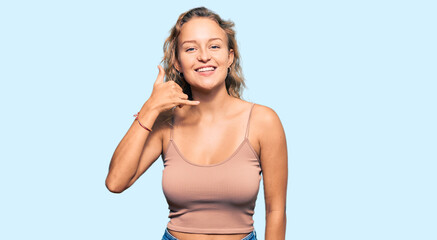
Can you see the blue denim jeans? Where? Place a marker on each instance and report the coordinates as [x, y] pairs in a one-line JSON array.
[[168, 236]]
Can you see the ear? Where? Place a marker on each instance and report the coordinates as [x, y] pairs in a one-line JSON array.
[[230, 57], [177, 65]]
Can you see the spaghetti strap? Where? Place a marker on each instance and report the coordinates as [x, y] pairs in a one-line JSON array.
[[248, 121], [171, 128]]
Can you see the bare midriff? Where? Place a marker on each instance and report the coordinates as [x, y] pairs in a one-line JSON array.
[[195, 236]]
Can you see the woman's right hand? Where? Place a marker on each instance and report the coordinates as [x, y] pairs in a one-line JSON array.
[[166, 95]]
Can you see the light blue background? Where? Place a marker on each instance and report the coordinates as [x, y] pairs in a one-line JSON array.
[[354, 83]]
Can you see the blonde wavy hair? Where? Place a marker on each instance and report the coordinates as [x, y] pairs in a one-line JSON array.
[[234, 80]]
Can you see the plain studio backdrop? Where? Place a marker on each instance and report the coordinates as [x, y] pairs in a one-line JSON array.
[[354, 83]]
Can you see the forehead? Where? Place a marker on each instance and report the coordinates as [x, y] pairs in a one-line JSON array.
[[201, 29]]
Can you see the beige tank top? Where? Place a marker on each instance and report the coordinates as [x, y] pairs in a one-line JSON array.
[[212, 199]]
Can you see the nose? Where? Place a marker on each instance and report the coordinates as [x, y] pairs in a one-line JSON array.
[[204, 55]]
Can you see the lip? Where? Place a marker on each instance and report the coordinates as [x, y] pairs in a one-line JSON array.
[[205, 66]]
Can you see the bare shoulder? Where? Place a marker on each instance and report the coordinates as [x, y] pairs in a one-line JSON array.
[[264, 116], [266, 126]]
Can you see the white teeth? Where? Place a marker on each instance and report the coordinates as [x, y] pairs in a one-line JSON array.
[[205, 69]]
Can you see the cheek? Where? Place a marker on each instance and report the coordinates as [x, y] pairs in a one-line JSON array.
[[183, 62], [223, 60]]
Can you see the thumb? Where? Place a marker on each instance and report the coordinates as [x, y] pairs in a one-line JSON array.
[[161, 75]]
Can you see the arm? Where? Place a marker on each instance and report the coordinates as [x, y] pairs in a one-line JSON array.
[[139, 148], [273, 155]]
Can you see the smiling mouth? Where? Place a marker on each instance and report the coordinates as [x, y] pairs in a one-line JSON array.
[[205, 69]]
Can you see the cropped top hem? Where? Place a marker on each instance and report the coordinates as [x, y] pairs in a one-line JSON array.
[[210, 230]]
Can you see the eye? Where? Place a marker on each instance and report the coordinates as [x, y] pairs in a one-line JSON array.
[[190, 49], [215, 46]]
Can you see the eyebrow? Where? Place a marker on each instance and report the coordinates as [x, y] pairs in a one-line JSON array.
[[194, 41]]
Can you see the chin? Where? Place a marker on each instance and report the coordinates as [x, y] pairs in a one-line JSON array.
[[206, 86], [205, 82]]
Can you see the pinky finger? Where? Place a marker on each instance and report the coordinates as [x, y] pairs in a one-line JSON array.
[[188, 102]]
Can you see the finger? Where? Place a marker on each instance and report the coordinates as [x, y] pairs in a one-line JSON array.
[[188, 102], [182, 96], [161, 75], [174, 85]]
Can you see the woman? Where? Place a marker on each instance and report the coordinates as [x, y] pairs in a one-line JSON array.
[[213, 143]]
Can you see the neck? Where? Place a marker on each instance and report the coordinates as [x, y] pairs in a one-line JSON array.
[[212, 103]]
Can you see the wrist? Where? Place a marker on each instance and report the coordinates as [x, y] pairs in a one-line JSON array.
[[146, 117], [148, 110], [139, 122]]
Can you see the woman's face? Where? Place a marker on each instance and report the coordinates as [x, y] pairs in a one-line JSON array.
[[203, 54]]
